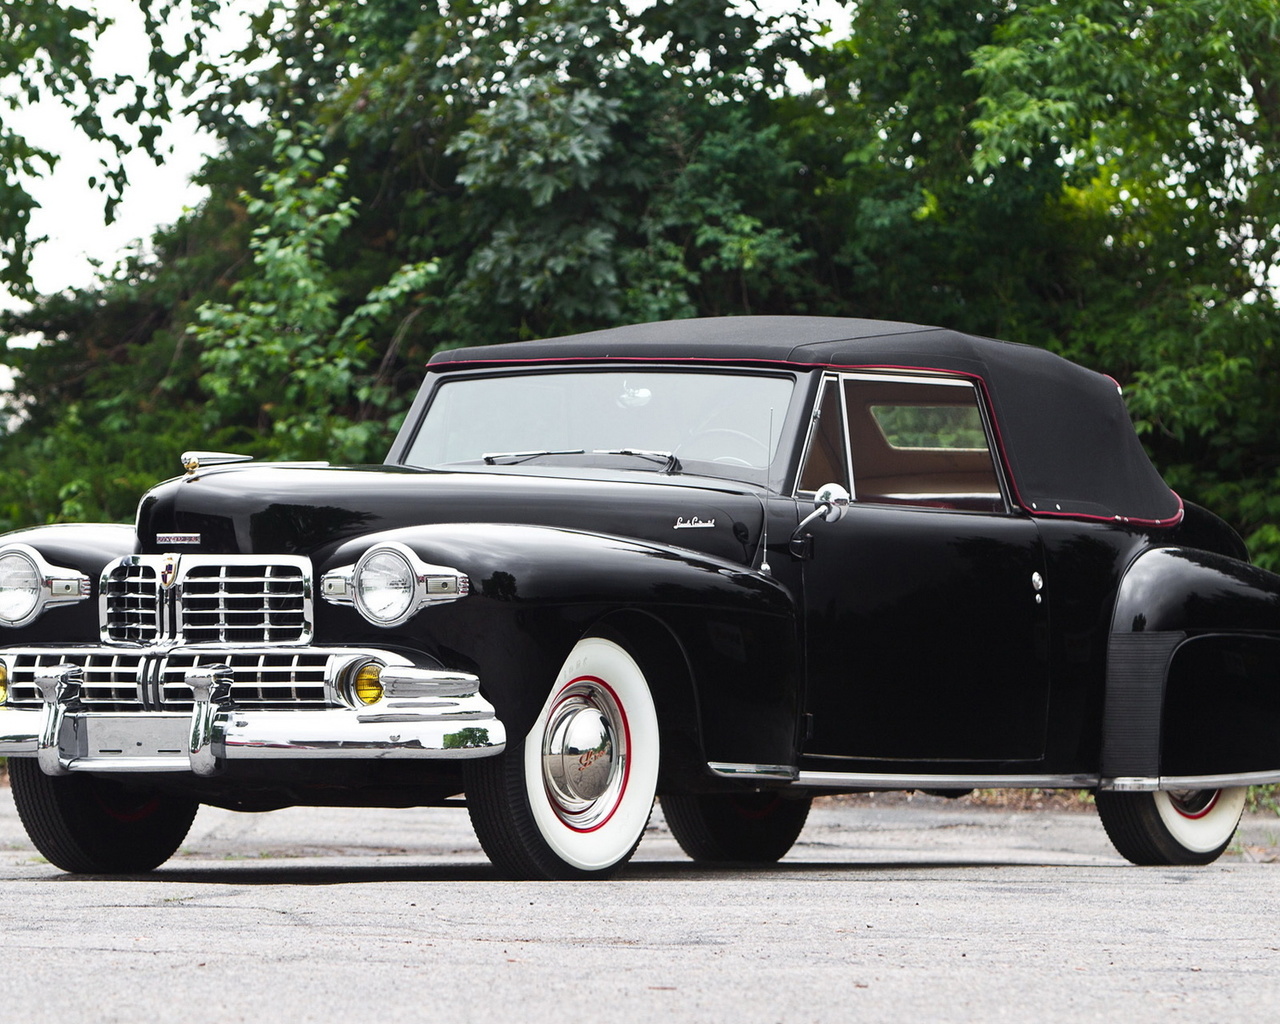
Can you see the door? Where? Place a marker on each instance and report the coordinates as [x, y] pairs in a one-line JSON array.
[[926, 606]]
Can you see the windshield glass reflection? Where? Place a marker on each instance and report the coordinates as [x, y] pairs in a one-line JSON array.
[[715, 423]]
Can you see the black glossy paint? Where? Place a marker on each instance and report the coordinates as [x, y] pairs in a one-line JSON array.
[[925, 638], [297, 510], [87, 547], [897, 640]]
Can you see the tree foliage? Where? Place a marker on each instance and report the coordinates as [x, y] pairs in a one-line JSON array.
[[1098, 177], [46, 55]]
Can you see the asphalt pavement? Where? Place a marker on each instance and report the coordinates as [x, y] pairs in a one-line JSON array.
[[896, 911]]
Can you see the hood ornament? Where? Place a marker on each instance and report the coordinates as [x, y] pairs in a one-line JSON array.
[[191, 461]]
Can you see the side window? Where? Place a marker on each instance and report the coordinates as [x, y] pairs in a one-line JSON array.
[[827, 460], [920, 443]]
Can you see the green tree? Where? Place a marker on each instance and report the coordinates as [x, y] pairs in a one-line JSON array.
[[46, 49], [279, 354], [1099, 180], [1165, 120]]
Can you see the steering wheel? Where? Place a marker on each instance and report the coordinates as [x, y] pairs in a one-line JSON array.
[[706, 439]]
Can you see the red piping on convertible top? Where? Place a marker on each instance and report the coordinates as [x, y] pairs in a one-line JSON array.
[[782, 363]]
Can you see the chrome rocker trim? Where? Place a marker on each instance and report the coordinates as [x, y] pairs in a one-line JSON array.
[[772, 772], [1177, 782], [425, 713], [873, 780]]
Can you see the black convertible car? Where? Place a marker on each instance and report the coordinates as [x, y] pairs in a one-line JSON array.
[[731, 562]]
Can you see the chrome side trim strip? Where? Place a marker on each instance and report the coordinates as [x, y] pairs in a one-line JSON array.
[[1167, 782], [772, 772], [1219, 781], [873, 780], [1128, 784]]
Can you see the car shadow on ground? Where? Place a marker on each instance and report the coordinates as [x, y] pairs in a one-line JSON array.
[[283, 873]]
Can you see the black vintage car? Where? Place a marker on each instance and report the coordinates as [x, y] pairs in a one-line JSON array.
[[732, 562]]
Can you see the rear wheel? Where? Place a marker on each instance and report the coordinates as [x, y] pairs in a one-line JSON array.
[[91, 825], [1173, 827], [572, 799], [747, 827]]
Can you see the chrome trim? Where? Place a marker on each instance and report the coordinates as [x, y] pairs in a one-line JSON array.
[[430, 714], [399, 681], [174, 598], [191, 461], [584, 755], [875, 780], [1176, 782], [772, 772], [59, 687], [1130, 785], [432, 584], [210, 695], [128, 681], [58, 585]]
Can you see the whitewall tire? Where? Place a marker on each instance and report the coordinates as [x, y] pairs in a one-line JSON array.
[[1174, 827], [572, 799]]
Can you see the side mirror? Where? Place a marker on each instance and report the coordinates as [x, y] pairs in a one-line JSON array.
[[830, 503]]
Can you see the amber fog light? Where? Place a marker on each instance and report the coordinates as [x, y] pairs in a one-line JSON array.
[[4, 683], [366, 686]]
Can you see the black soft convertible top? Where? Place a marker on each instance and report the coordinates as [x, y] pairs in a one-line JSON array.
[[1064, 431]]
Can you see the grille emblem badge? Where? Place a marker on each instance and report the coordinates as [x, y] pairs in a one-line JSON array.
[[169, 571]]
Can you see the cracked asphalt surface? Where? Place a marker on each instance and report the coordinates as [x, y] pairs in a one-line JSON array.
[[910, 910]]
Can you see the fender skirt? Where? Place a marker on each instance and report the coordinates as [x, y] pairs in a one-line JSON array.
[[1193, 669]]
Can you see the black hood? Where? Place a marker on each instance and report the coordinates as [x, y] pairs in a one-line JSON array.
[[282, 509]]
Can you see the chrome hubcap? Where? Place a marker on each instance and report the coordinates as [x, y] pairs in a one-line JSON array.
[[1193, 803], [584, 755]]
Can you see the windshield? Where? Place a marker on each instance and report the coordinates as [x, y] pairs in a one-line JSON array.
[[723, 424]]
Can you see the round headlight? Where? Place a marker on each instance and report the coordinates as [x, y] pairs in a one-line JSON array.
[[19, 588], [386, 587]]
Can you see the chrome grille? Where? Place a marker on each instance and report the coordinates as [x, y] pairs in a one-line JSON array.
[[253, 604], [110, 679], [262, 680], [196, 598], [130, 597], [125, 681]]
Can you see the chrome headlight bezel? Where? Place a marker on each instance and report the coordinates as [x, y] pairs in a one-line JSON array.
[[424, 583], [385, 586], [53, 585]]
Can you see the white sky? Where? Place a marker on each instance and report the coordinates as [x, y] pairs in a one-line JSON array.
[[71, 214]]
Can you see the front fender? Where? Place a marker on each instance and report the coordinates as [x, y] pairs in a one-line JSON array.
[[1193, 634], [85, 547], [535, 591]]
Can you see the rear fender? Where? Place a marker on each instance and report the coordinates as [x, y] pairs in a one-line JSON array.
[[1192, 660]]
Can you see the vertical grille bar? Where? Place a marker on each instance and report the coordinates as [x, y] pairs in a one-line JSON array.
[[224, 599]]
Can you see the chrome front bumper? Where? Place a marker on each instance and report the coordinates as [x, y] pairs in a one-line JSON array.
[[424, 713]]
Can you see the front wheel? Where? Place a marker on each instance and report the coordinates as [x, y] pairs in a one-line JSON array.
[[754, 828], [86, 824], [1173, 827], [572, 799]]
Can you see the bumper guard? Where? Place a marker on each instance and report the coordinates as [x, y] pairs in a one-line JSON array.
[[425, 713]]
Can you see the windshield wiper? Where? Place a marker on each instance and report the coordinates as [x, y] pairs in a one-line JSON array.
[[491, 458], [670, 464]]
